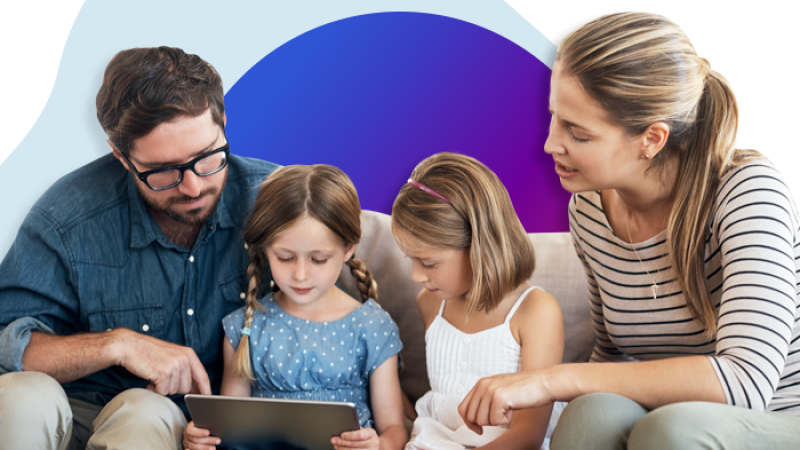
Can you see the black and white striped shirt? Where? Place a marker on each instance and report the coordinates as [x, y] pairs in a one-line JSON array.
[[752, 266]]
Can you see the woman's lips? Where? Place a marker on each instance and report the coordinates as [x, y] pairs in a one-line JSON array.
[[564, 171]]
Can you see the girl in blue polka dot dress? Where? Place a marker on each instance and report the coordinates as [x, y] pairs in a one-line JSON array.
[[307, 339]]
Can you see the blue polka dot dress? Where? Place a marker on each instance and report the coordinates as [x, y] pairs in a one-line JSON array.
[[301, 359]]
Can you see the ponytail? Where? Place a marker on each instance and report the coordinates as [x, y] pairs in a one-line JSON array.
[[708, 155], [367, 285]]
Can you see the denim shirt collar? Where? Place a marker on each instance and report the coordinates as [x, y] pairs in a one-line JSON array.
[[145, 230]]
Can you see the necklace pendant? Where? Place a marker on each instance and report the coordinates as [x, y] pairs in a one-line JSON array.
[[654, 287]]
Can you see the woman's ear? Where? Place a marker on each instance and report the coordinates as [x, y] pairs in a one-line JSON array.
[[654, 139]]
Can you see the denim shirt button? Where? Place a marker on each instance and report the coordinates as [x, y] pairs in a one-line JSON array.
[[242, 295], [108, 329], [145, 328], [190, 311], [191, 259]]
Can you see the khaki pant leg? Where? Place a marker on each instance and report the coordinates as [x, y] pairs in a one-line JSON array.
[[138, 419], [83, 415], [35, 412]]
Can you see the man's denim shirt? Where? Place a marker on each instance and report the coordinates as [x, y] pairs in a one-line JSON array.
[[89, 257]]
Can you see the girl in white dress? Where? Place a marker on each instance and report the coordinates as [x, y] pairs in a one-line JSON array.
[[455, 220]]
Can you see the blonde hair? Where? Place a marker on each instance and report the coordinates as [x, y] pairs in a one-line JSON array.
[[289, 194], [480, 218], [642, 69]]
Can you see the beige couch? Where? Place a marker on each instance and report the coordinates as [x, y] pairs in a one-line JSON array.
[[558, 271]]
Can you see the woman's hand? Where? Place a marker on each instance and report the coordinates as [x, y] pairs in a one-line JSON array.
[[363, 438], [198, 438], [492, 400]]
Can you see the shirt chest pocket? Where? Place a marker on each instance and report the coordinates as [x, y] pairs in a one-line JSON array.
[[146, 319], [234, 290]]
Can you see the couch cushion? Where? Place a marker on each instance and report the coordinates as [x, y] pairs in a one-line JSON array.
[[558, 271]]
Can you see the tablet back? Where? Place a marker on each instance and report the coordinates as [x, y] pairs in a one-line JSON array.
[[260, 423]]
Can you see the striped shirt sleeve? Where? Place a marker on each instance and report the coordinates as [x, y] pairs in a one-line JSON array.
[[754, 227]]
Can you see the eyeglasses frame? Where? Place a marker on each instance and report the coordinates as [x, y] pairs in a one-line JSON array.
[[180, 167]]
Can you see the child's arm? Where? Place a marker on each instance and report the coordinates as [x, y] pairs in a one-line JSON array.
[[387, 409], [232, 384], [199, 438], [538, 326]]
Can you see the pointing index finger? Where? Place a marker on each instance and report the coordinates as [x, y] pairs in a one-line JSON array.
[[199, 376]]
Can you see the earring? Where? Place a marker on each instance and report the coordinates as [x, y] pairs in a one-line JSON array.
[[271, 283], [645, 156]]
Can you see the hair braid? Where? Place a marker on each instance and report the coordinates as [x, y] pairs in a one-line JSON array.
[[255, 271], [367, 285]]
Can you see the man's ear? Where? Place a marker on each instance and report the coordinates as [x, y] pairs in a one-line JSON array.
[[117, 155], [654, 139]]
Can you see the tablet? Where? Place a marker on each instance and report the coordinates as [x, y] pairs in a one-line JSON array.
[[249, 423]]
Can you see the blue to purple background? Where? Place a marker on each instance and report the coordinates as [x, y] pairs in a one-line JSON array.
[[376, 94]]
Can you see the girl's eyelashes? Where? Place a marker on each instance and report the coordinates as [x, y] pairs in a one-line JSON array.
[[427, 266], [291, 258]]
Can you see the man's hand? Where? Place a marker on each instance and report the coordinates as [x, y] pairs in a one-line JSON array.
[[170, 368], [363, 438]]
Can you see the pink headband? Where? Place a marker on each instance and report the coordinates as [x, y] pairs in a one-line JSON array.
[[429, 190]]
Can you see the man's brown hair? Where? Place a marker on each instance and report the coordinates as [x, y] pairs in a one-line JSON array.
[[145, 87]]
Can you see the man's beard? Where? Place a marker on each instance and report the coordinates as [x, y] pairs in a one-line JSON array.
[[193, 216]]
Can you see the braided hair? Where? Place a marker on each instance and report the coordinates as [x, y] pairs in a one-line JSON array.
[[289, 194]]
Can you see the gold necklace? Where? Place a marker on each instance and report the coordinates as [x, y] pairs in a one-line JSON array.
[[654, 287]]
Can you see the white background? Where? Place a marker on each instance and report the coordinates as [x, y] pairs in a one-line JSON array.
[[754, 46]]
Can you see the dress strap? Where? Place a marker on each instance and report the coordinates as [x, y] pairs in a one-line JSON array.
[[517, 303], [441, 307]]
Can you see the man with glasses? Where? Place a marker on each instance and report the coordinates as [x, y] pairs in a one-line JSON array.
[[112, 294]]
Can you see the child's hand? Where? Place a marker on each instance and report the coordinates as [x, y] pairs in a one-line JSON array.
[[363, 438], [198, 438]]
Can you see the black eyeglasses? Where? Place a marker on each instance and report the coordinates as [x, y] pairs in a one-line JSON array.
[[171, 176]]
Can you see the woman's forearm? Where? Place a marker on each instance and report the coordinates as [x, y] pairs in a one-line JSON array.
[[649, 383], [493, 400]]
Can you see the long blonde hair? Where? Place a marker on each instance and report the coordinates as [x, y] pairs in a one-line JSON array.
[[642, 69], [289, 194], [480, 218]]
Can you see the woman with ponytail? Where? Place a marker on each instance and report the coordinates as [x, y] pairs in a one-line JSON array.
[[302, 337], [691, 252]]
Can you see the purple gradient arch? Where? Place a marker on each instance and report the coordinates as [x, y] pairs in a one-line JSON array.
[[376, 94]]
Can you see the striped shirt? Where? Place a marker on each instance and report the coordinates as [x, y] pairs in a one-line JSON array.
[[752, 264]]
